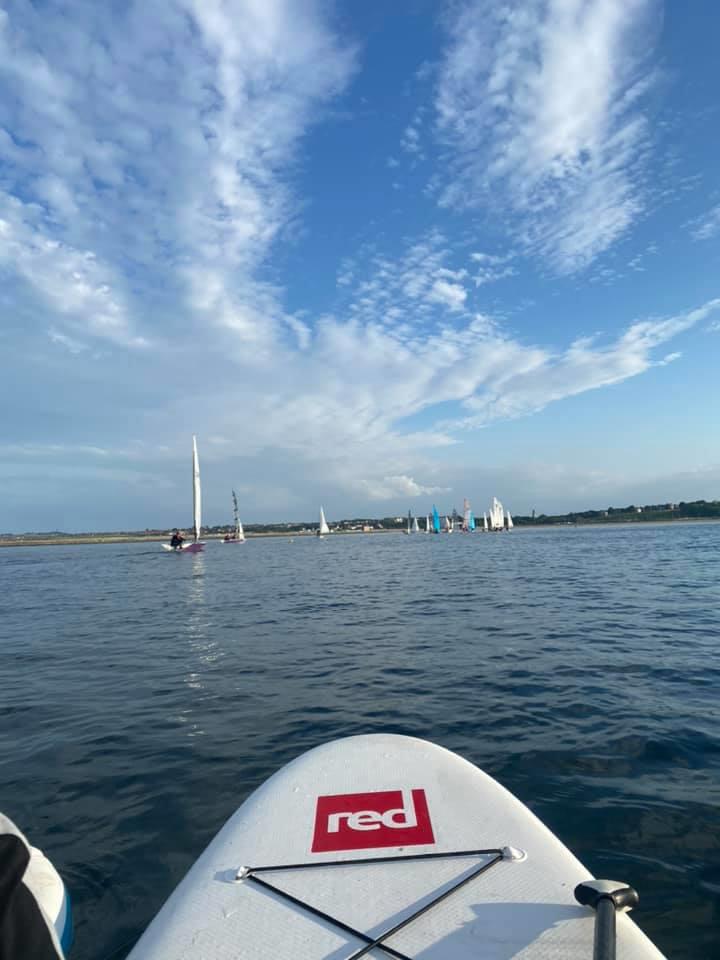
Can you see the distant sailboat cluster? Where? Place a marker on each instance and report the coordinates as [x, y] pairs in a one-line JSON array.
[[497, 518]]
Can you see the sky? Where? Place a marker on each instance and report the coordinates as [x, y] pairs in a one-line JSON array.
[[376, 256]]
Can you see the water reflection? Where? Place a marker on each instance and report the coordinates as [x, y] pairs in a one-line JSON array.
[[201, 648]]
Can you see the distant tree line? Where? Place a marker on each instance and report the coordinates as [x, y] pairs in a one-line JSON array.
[[696, 509]]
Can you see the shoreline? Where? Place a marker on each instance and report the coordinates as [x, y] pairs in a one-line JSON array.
[[79, 539]]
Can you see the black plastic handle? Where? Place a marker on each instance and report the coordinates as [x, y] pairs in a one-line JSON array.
[[606, 897]]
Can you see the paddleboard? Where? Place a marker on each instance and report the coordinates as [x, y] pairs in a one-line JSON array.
[[382, 846]]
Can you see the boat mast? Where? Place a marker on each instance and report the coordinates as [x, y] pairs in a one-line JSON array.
[[197, 496], [236, 515]]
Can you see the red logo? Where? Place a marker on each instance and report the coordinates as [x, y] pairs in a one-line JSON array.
[[358, 821]]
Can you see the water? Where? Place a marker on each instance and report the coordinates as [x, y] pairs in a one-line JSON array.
[[144, 695]]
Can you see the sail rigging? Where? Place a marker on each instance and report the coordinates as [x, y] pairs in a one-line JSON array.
[[239, 532]]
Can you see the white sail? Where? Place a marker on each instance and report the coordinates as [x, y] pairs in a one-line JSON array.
[[324, 528], [466, 514], [197, 495], [448, 525], [497, 515], [485, 523], [427, 525], [415, 525], [239, 532], [509, 521]]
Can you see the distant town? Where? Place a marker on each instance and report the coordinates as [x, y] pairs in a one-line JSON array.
[[662, 512]]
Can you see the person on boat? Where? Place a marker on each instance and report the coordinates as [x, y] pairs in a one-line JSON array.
[[29, 886], [176, 541]]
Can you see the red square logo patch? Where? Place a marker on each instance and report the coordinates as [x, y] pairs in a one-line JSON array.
[[359, 821]]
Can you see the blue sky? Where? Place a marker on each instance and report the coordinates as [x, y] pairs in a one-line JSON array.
[[374, 258]]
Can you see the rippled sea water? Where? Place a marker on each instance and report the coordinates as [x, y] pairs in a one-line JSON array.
[[144, 695]]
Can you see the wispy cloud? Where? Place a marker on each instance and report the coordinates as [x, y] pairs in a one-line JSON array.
[[542, 106], [73, 284], [392, 488], [146, 158], [407, 292], [584, 366], [491, 268], [706, 226]]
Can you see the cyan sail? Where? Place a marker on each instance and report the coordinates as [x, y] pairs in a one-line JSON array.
[[471, 524], [436, 520]]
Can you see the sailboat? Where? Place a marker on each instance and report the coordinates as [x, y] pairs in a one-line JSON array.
[[323, 529], [485, 523], [197, 545], [238, 535], [415, 525], [467, 514], [510, 524], [448, 525], [471, 522], [497, 515], [436, 520], [409, 528], [428, 528]]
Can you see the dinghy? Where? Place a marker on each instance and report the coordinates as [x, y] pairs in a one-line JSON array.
[[197, 545], [238, 535], [323, 528]]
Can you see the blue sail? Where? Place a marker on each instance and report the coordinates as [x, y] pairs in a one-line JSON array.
[[436, 520], [471, 522]]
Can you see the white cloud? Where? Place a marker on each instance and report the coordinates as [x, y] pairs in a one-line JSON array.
[[410, 141], [583, 366], [541, 104], [451, 295], [73, 346], [147, 147], [390, 488], [707, 226], [72, 282], [409, 290]]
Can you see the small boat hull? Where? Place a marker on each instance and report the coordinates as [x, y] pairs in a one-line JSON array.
[[186, 548]]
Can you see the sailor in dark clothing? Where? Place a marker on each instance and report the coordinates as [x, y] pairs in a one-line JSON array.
[[176, 541], [35, 916]]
